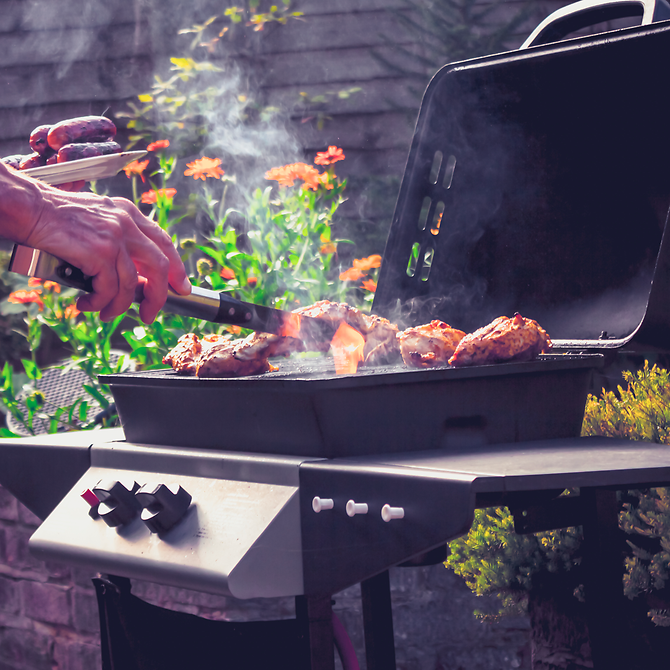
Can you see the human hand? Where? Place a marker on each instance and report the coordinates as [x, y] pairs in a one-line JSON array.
[[110, 240]]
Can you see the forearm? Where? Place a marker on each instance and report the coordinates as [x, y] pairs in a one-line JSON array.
[[21, 204]]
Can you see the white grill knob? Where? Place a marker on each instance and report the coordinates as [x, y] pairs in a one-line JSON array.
[[319, 504], [354, 508], [389, 513]]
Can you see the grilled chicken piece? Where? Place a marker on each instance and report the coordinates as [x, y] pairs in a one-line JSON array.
[[504, 339], [381, 345], [221, 361], [245, 357], [236, 358], [429, 345], [183, 357]]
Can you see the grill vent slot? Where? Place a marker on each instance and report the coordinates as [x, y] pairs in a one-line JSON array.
[[449, 171], [435, 167], [427, 263], [423, 214], [437, 218], [413, 260]]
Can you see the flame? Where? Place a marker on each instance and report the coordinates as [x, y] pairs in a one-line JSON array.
[[347, 345], [291, 326]]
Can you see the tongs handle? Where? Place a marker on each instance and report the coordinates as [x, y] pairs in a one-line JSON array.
[[586, 13], [201, 303]]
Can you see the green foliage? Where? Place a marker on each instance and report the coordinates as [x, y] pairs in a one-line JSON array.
[[641, 411], [44, 304], [268, 245], [208, 78], [278, 251], [213, 89], [279, 257], [493, 560]]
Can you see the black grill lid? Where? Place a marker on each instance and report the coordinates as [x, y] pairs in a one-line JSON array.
[[538, 182]]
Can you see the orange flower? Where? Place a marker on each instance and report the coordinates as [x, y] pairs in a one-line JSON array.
[[352, 274], [328, 248], [204, 167], [22, 297], [369, 285], [35, 282], [226, 273], [287, 174], [71, 311], [151, 197], [314, 180], [158, 144], [326, 181], [136, 167], [252, 281], [329, 157], [52, 286], [367, 264]]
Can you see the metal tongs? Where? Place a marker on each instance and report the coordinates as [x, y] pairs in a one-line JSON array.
[[200, 304]]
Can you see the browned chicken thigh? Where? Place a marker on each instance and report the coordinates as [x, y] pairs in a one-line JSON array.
[[235, 358], [504, 339], [429, 345]]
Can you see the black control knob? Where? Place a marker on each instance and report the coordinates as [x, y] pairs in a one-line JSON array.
[[163, 505], [118, 505]]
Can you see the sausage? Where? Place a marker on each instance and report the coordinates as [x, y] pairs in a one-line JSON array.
[[14, 161], [81, 129], [75, 151], [38, 139], [31, 161]]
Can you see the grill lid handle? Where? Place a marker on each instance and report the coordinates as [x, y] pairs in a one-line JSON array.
[[587, 13]]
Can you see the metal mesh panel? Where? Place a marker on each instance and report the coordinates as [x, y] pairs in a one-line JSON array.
[[61, 388]]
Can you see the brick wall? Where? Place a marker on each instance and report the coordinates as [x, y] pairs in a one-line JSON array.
[[48, 612]]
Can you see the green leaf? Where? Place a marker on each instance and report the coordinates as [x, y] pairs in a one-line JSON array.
[[32, 369], [91, 390]]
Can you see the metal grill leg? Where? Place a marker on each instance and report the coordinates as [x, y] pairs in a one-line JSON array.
[[315, 615], [378, 622], [603, 571]]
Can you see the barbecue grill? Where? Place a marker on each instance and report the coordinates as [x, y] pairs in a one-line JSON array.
[[537, 182]]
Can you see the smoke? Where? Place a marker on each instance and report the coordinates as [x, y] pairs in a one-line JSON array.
[[254, 145], [63, 33]]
